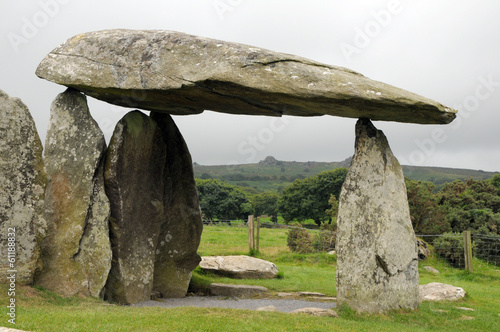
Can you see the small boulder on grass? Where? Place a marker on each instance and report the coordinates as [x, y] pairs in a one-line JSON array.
[[239, 267], [431, 269], [436, 291], [316, 312]]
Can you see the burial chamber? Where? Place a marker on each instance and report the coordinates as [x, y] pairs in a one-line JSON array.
[[172, 73]]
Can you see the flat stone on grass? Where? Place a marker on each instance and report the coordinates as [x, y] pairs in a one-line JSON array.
[[217, 289], [316, 312], [239, 267], [436, 291]]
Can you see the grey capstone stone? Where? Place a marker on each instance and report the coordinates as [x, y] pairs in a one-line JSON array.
[[177, 73]]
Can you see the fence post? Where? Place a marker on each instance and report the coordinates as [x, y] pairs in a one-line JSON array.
[[468, 251], [251, 242], [258, 233]]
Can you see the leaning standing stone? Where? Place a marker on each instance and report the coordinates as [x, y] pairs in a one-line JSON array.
[[181, 229], [377, 266], [76, 252], [22, 187], [134, 170]]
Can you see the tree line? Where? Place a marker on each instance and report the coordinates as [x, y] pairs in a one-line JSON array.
[[458, 206], [304, 199]]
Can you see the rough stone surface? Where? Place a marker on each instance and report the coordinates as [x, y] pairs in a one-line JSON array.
[[316, 312], [465, 308], [311, 294], [436, 291], [134, 184], [182, 225], [239, 267], [176, 73], [431, 269], [323, 298], [267, 308], [217, 289], [22, 187], [423, 250], [76, 252], [377, 265], [6, 329]]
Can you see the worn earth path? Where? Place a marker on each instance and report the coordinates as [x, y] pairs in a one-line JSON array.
[[283, 305]]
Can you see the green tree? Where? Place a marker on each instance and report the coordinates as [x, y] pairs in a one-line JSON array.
[[308, 198], [333, 211], [495, 181], [266, 203], [470, 205], [220, 200], [426, 217]]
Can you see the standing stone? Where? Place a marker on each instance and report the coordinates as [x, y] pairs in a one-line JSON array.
[[76, 252], [377, 266], [22, 187], [181, 229], [134, 169]]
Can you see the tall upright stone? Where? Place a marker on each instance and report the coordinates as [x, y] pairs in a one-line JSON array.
[[181, 229], [76, 252], [377, 266], [134, 172], [22, 188]]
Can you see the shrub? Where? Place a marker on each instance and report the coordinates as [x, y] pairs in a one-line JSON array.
[[450, 246], [299, 240], [325, 239]]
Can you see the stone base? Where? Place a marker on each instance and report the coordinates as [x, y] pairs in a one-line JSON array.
[[236, 290]]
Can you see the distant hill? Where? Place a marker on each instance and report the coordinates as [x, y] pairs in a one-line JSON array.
[[274, 175]]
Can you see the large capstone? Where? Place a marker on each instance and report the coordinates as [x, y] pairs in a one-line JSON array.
[[76, 252], [176, 73], [377, 266], [134, 174], [22, 188], [182, 224]]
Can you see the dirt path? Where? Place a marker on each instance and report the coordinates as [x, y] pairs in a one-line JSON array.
[[283, 305]]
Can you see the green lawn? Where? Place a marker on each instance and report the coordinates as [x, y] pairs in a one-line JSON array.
[[40, 310]]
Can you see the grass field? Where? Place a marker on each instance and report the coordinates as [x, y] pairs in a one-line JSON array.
[[40, 310]]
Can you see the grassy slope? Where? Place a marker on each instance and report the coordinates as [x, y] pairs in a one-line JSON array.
[[40, 310], [283, 173]]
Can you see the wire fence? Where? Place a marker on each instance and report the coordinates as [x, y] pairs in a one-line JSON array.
[[487, 248], [452, 247], [243, 223]]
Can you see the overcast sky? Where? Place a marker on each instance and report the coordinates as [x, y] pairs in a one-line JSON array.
[[448, 51]]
